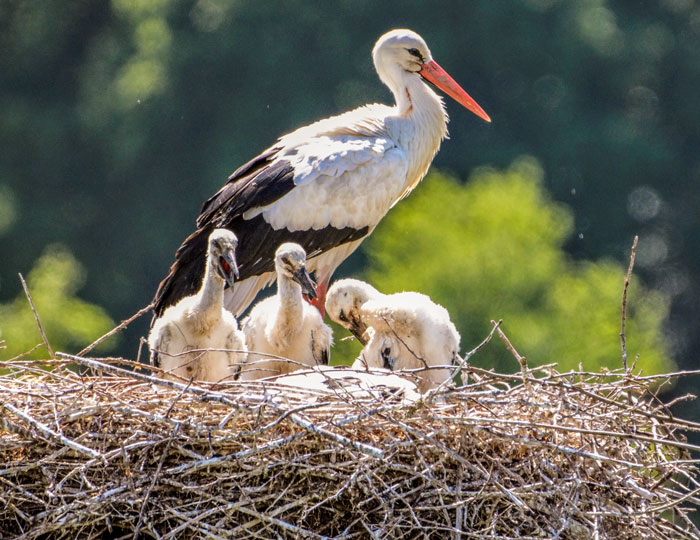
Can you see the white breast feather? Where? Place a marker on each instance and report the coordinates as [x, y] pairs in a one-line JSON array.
[[182, 328], [302, 342]]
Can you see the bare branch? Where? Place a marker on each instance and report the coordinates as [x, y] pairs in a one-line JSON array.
[[116, 329], [522, 361], [51, 434], [628, 276], [36, 317]]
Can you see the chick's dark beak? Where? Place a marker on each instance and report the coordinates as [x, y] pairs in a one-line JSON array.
[[308, 286], [228, 269], [359, 329]]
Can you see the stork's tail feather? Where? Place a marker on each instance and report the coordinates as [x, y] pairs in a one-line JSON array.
[[185, 276]]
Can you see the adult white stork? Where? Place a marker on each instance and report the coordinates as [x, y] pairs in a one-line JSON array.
[[327, 185]]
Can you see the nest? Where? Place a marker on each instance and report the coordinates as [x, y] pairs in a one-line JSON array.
[[537, 454]]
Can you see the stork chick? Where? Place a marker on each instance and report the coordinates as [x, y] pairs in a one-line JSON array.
[[401, 331], [180, 338], [284, 324]]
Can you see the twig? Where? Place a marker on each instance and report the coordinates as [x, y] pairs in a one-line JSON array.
[[51, 433], [495, 326], [167, 413], [623, 340], [344, 441], [196, 465], [298, 531], [155, 479], [36, 316], [120, 326], [521, 359], [25, 353]]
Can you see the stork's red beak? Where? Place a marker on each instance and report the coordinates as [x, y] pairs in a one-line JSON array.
[[440, 78]]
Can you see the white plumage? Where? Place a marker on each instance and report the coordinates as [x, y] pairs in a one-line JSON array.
[[326, 186], [401, 331], [344, 302], [285, 324], [200, 322]]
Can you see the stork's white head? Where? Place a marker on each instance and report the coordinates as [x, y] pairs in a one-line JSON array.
[[400, 54], [290, 263], [343, 302], [400, 48], [222, 254]]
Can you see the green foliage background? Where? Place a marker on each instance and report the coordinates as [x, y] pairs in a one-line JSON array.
[[68, 321], [492, 249], [119, 117]]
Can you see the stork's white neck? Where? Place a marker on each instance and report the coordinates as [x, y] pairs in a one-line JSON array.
[[211, 295], [289, 315], [289, 292], [420, 123]]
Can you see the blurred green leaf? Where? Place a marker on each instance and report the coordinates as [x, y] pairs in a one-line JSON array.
[[68, 321]]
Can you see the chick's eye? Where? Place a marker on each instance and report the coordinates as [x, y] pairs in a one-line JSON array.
[[342, 316]]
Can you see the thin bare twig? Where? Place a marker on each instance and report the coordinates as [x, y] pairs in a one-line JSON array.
[[494, 327], [36, 317], [25, 353], [522, 361], [422, 360], [462, 363], [628, 276], [48, 432], [119, 327], [155, 479]]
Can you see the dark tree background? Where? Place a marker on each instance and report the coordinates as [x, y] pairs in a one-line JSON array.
[[118, 118]]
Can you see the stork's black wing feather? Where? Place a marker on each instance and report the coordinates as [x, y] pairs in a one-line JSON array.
[[259, 182], [258, 242]]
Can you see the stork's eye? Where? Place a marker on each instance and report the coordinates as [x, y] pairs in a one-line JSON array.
[[415, 52]]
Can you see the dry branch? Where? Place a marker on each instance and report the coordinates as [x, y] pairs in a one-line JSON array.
[[126, 454], [36, 316], [628, 277], [121, 326]]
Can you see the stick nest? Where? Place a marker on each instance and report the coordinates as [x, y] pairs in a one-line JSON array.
[[537, 454]]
